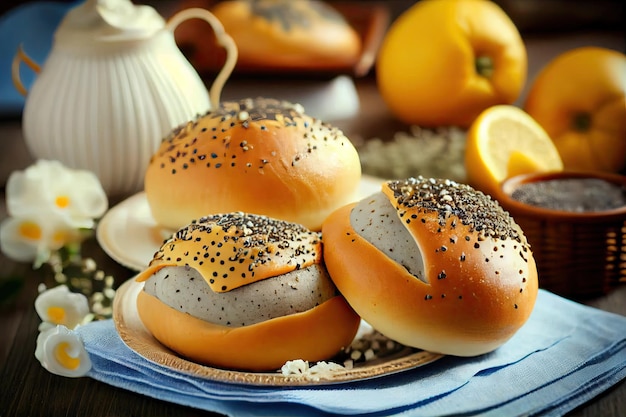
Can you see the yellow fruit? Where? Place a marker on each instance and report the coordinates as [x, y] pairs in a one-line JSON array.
[[580, 100], [442, 62], [505, 141]]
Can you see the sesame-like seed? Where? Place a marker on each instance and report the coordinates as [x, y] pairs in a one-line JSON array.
[[259, 235], [448, 198], [231, 114]]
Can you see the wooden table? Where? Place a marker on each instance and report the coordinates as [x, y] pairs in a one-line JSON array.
[[26, 389]]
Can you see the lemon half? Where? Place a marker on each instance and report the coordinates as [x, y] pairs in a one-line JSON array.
[[505, 141]]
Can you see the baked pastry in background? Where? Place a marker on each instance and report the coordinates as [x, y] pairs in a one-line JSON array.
[[433, 264], [260, 156], [286, 35], [241, 291]]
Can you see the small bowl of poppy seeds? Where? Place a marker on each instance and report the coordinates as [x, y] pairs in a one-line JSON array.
[[575, 223]]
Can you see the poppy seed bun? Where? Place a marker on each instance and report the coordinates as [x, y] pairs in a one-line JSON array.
[[433, 264], [243, 291], [260, 156], [288, 34]]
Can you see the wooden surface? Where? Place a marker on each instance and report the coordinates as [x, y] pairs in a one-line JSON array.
[[26, 389]]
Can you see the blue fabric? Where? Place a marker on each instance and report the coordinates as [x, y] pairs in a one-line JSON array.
[[31, 25], [566, 354]]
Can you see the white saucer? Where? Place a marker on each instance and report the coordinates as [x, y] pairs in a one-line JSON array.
[[129, 234]]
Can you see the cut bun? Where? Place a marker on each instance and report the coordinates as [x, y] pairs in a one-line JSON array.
[[259, 156], [433, 264], [246, 292]]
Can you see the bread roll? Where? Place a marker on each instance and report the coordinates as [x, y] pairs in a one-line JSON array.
[[244, 292], [259, 156], [433, 264], [289, 34]]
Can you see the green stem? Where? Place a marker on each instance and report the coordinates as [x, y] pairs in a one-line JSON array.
[[484, 66], [581, 122]]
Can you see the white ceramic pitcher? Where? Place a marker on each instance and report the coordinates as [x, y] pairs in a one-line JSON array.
[[114, 84]]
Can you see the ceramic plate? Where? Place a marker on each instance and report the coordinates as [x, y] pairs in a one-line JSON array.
[[136, 337], [129, 234]]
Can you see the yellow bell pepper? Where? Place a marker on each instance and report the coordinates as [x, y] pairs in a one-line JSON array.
[[579, 98]]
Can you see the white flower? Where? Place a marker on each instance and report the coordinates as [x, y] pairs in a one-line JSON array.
[[27, 239], [59, 306], [47, 205], [74, 195], [62, 352]]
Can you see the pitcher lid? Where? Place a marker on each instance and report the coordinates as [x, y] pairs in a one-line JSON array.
[[109, 20]]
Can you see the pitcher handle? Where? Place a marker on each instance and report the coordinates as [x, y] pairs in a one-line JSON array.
[[223, 39], [20, 57]]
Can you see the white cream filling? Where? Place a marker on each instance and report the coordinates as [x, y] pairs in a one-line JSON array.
[[184, 289], [375, 219]]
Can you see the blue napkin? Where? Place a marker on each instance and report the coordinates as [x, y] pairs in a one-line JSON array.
[[566, 354]]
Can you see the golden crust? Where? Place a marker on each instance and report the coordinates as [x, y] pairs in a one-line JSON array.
[[236, 249], [289, 34], [313, 335], [259, 156], [479, 289]]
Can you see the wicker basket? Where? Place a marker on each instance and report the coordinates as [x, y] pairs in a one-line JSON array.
[[578, 255]]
